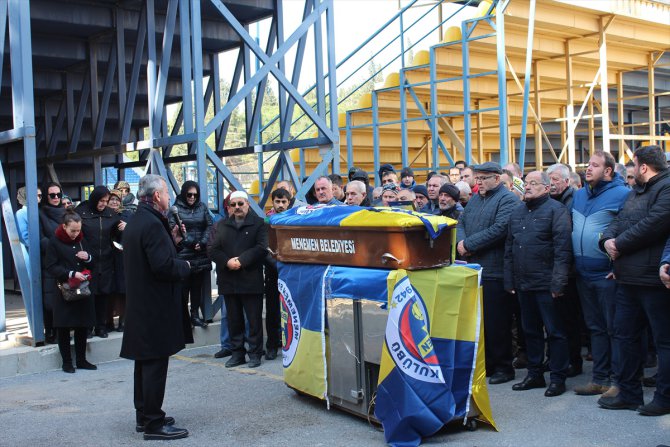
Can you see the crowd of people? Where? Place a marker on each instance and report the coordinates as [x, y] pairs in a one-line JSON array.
[[569, 260]]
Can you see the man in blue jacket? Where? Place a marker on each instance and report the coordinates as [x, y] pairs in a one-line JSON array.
[[593, 209]]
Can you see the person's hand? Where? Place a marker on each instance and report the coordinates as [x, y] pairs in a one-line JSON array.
[[511, 292], [176, 235], [197, 247], [461, 249], [664, 273], [80, 276], [234, 264], [610, 248], [121, 226], [610, 275], [556, 294], [82, 255]]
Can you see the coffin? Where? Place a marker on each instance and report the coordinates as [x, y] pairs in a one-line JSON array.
[[359, 237]]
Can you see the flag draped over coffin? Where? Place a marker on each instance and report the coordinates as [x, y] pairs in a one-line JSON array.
[[433, 356]]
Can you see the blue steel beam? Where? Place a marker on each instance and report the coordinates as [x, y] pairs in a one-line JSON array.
[[260, 93], [106, 95], [234, 83], [332, 84], [185, 47], [151, 68], [24, 117], [286, 119], [198, 99], [281, 94], [526, 83], [81, 111], [168, 36], [57, 130], [230, 177], [502, 80], [134, 77], [467, 131], [269, 66], [120, 60]]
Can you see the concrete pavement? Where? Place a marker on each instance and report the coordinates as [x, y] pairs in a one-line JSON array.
[[243, 407]]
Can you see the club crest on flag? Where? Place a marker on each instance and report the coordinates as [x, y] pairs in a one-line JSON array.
[[290, 324], [408, 335]]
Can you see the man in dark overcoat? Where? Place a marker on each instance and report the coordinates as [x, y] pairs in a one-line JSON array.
[[239, 249], [157, 320]]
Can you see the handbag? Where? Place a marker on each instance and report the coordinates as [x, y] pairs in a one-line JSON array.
[[75, 294]]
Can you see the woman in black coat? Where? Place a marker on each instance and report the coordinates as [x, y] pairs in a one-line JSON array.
[[116, 303], [198, 222], [51, 216], [67, 260], [99, 225]]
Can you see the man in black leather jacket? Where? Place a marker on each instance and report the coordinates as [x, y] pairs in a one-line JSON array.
[[635, 241]]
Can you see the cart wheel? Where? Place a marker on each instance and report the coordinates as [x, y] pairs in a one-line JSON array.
[[471, 425]]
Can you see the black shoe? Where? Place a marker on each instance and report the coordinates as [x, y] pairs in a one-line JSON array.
[[89, 333], [224, 352], [169, 420], [101, 332], [68, 368], [85, 364], [653, 409], [235, 361], [616, 403], [165, 432], [649, 382], [271, 354], [254, 362], [195, 321], [210, 321], [529, 383], [501, 377], [555, 389], [574, 371], [120, 328]]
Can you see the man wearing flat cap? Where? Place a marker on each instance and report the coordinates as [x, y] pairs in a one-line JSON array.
[[448, 201], [481, 234], [239, 249]]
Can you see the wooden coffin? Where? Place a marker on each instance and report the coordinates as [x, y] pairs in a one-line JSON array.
[[409, 248]]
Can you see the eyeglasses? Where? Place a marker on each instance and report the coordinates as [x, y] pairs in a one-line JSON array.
[[534, 183], [485, 177], [237, 204], [192, 194], [53, 195]]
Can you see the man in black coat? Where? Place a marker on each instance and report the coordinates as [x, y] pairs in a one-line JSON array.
[[157, 321], [538, 253], [635, 241], [239, 249], [481, 233]]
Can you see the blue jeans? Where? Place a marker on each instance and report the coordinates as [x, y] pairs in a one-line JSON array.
[[632, 303], [539, 309], [597, 299]]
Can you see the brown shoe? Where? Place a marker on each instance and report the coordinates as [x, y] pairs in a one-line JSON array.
[[612, 392], [591, 389]]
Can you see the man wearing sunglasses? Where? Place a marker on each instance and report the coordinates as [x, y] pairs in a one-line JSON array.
[[239, 250], [481, 234]]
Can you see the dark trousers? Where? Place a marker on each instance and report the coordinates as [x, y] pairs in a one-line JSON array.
[[149, 391], [497, 327], [101, 309], [272, 315], [194, 287], [79, 344], [116, 305], [633, 302], [571, 313], [597, 298], [518, 339], [238, 306], [539, 309]]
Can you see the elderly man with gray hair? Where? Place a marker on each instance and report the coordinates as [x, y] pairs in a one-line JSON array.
[[357, 193], [157, 323]]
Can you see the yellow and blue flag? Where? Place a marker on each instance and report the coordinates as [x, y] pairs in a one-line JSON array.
[[432, 367]]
